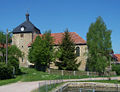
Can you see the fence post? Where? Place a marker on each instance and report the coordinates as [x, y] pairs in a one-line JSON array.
[[61, 89], [62, 72], [87, 73], [74, 73], [39, 86], [50, 83], [49, 71], [80, 90], [46, 86], [13, 71]]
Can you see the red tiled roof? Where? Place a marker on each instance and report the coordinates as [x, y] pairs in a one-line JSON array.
[[117, 56], [58, 38], [1, 45]]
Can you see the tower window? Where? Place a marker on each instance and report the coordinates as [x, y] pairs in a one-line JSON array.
[[22, 59], [21, 35], [77, 51]]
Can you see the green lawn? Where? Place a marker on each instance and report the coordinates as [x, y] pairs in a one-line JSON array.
[[34, 75], [3, 82]]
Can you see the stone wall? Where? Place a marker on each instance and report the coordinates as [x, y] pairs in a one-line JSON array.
[[22, 43], [81, 58], [87, 86]]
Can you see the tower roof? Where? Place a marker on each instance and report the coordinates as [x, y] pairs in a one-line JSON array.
[[26, 27]]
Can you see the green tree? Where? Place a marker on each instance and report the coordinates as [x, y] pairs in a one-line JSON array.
[[3, 43], [68, 56], [13, 57], [99, 46], [13, 52], [41, 51]]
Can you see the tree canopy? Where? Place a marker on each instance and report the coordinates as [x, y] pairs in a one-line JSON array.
[[41, 51], [99, 46]]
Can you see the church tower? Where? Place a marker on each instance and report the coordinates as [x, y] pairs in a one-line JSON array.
[[22, 36]]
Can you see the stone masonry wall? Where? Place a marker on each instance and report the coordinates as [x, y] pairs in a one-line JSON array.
[[22, 44], [82, 58]]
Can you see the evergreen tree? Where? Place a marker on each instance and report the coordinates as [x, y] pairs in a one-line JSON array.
[[99, 46], [41, 52], [68, 56]]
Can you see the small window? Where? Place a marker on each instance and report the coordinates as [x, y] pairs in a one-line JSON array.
[[22, 59], [77, 51], [21, 35], [22, 46]]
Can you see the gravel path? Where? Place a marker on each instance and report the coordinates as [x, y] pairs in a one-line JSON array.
[[29, 86]]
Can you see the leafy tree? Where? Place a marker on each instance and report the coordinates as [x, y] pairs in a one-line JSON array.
[[13, 52], [68, 56], [3, 43], [13, 57], [41, 51], [99, 46]]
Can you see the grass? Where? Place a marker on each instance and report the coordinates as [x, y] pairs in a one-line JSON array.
[[8, 81], [31, 74], [34, 75]]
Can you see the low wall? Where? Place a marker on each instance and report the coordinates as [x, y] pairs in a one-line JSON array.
[[88, 85]]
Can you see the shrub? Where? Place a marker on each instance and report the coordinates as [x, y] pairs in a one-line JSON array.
[[15, 63], [6, 72], [116, 68]]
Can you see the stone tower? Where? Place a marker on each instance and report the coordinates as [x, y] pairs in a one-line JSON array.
[[22, 36]]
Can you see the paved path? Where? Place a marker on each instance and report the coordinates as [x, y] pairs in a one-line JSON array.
[[29, 86]]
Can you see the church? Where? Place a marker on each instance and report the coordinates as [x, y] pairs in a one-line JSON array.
[[25, 34]]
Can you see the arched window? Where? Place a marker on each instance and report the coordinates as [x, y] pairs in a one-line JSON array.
[[77, 51]]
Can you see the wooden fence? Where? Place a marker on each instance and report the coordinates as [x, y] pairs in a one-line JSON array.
[[77, 73]]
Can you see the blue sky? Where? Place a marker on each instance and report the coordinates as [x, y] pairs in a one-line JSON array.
[[57, 15]]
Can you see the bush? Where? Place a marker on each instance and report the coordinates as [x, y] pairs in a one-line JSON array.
[[6, 72], [15, 63], [116, 68]]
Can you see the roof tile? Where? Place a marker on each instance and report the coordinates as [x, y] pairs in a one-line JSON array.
[[58, 38], [118, 56]]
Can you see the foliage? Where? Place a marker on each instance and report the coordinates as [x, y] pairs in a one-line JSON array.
[[13, 52], [116, 68], [13, 57], [6, 72], [41, 51], [2, 44], [12, 61], [68, 56], [99, 46]]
